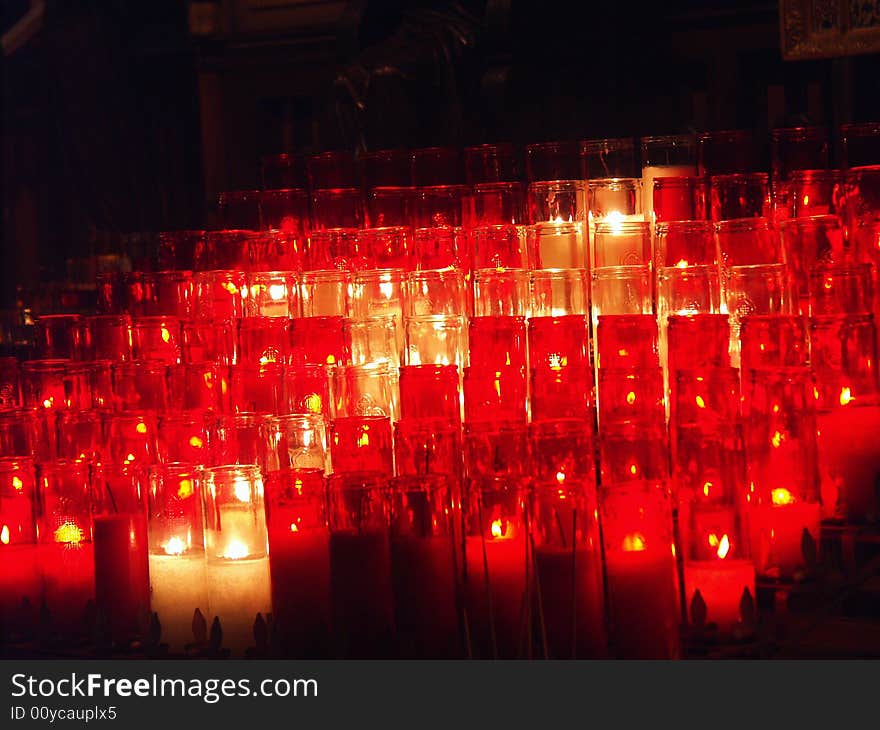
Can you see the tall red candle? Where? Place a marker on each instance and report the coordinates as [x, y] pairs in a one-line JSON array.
[[20, 584]]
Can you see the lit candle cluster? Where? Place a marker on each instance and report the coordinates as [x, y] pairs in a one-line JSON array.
[[390, 421]]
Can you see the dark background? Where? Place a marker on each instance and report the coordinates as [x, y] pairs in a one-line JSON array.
[[122, 116]]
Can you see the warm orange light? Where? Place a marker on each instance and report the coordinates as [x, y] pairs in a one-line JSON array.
[[196, 442], [722, 546], [633, 469], [175, 546], [313, 403], [68, 532], [623, 352], [129, 458], [560, 477], [700, 402], [682, 264], [235, 550], [17, 484], [293, 527], [706, 487], [635, 543], [364, 438], [242, 490], [277, 292], [185, 488], [141, 428], [776, 439], [781, 495], [230, 287], [557, 362], [631, 397], [497, 528], [48, 402], [4, 535], [166, 335], [846, 396]]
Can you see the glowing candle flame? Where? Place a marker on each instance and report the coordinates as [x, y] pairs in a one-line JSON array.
[[314, 403], [615, 221], [195, 442], [175, 546], [560, 476], [17, 484], [682, 264], [243, 491], [141, 428], [68, 532], [185, 488], [781, 495], [497, 528], [722, 546], [700, 402], [4, 535], [364, 438], [235, 550], [777, 439], [706, 487], [166, 335], [631, 397], [846, 396], [47, 403], [293, 527], [634, 543], [276, 292]]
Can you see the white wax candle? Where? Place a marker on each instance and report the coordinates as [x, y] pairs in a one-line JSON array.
[[178, 587], [561, 246], [237, 591]]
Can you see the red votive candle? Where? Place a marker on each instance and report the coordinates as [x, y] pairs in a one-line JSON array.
[[226, 250], [50, 385], [424, 568], [156, 338], [748, 241], [220, 294], [441, 205], [810, 241], [679, 199], [816, 192], [360, 565], [65, 531], [263, 340], [633, 453], [497, 448], [640, 570], [497, 203], [631, 398], [177, 248], [439, 247], [299, 560], [497, 247], [56, 336], [627, 341], [561, 374], [80, 435], [256, 388], [285, 210], [496, 555], [684, 243], [361, 443], [493, 395], [428, 446], [20, 583], [568, 570], [182, 436], [122, 583], [199, 386], [208, 340], [169, 294], [337, 208], [141, 386], [106, 337], [739, 195], [698, 340], [317, 341], [385, 248], [131, 438], [430, 391], [18, 432], [563, 448], [496, 342], [391, 206], [775, 340]]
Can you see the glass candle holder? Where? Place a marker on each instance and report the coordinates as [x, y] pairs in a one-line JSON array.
[[498, 247], [496, 558], [672, 155], [747, 241], [285, 210], [640, 571], [391, 206], [372, 341], [631, 398], [603, 158], [560, 369], [263, 340], [360, 565], [618, 290], [563, 449], [306, 389], [684, 243], [330, 250], [860, 144], [553, 161], [782, 471], [240, 209], [65, 530], [156, 338], [228, 250], [770, 341], [332, 169], [627, 341], [698, 340], [439, 247], [740, 195], [361, 443], [559, 293], [490, 163], [292, 443], [176, 537], [182, 436], [385, 248], [122, 582], [843, 288], [110, 293], [299, 559], [380, 292], [220, 294], [366, 390], [679, 199], [615, 200], [442, 205], [54, 385], [20, 583], [272, 294], [558, 245], [497, 448], [208, 340], [498, 203], [621, 243], [558, 201], [18, 433], [385, 167], [325, 293], [816, 192], [80, 435], [436, 292], [317, 341], [428, 446], [797, 148], [283, 171], [502, 293], [199, 386], [141, 385], [106, 337], [568, 570], [236, 546], [177, 249], [725, 152], [843, 356], [436, 166], [436, 340], [861, 196], [56, 336], [131, 292], [497, 342], [495, 394], [337, 208], [168, 293], [628, 453], [809, 241], [424, 568], [430, 391], [256, 388], [238, 438], [131, 438], [10, 383]]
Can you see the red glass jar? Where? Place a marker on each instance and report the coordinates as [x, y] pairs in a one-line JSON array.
[[361, 443]]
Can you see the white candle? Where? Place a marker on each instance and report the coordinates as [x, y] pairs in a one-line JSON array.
[[237, 591], [560, 245], [178, 587]]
